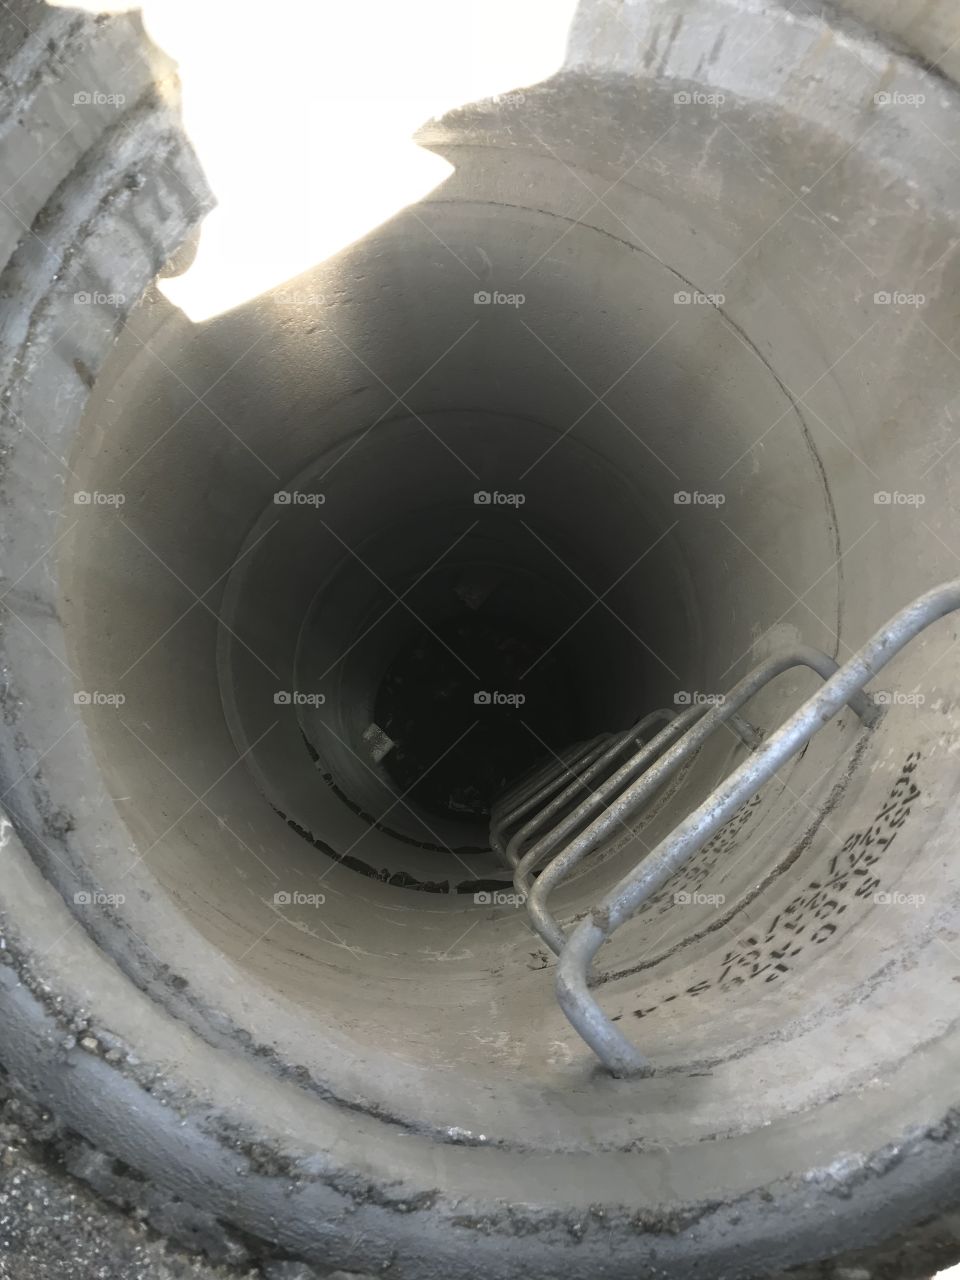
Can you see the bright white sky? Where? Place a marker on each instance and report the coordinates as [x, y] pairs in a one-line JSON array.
[[301, 113]]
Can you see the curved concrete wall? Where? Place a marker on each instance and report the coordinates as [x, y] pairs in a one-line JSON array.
[[723, 402]]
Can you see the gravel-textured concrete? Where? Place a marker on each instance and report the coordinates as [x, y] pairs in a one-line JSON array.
[[54, 1227]]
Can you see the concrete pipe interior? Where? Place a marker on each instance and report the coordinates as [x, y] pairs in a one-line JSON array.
[[601, 455], [327, 503]]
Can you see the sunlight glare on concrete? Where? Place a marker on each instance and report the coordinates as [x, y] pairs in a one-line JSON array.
[[302, 116]]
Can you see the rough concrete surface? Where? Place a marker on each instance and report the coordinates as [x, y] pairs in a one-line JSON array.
[[54, 1227], [254, 1084]]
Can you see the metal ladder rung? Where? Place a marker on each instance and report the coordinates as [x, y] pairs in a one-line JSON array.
[[595, 763], [638, 781], [544, 782], [844, 685]]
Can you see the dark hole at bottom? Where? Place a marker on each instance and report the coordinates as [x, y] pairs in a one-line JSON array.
[[470, 705]]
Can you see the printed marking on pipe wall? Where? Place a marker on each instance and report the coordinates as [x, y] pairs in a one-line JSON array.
[[694, 874], [812, 917], [692, 877]]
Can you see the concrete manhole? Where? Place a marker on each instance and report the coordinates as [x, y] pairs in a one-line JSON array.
[[659, 380]]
